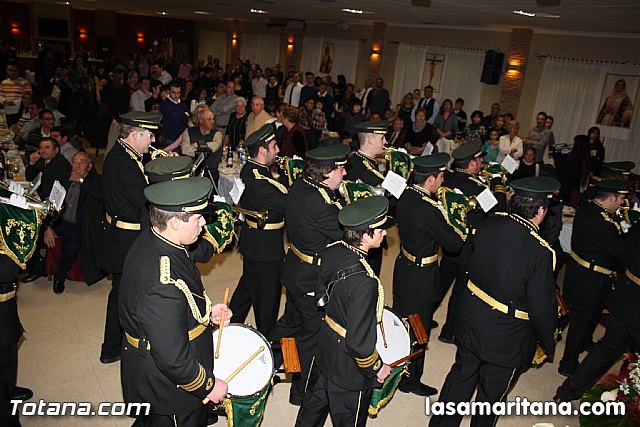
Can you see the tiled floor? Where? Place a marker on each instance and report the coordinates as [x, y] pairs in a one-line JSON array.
[[59, 356]]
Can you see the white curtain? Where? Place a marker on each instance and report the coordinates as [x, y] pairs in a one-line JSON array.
[[212, 43], [460, 73], [570, 90], [345, 56], [263, 49]]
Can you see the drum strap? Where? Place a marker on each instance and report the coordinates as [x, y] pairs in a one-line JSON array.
[[339, 275]]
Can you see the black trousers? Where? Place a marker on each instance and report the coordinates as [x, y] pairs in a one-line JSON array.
[[347, 407], [112, 329], [302, 319], [584, 319], [425, 310], [70, 235], [449, 270], [617, 340], [197, 418], [468, 373], [259, 286], [8, 376]]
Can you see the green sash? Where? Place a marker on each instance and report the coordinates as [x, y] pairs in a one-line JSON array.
[[400, 163], [246, 411], [381, 396]]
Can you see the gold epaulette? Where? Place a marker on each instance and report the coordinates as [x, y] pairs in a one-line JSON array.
[[370, 168], [271, 181]]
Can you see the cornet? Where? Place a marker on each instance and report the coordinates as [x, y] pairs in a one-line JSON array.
[[156, 152], [260, 216]]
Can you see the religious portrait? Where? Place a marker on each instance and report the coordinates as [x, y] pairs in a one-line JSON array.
[[326, 61], [433, 71], [616, 103]]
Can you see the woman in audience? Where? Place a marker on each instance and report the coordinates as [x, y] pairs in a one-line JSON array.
[[349, 97], [403, 111], [201, 99], [446, 123], [416, 95], [418, 134], [340, 84], [574, 171], [101, 82], [241, 89], [511, 143], [527, 166], [596, 149], [189, 94], [25, 115], [295, 142], [236, 128], [475, 131]]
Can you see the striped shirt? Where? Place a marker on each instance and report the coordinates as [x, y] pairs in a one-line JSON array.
[[12, 90]]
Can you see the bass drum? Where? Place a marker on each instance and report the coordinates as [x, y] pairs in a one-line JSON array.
[[396, 337], [238, 343]]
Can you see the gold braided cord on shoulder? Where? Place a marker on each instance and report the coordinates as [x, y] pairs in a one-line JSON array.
[[545, 244], [477, 181], [135, 157], [380, 302], [612, 221], [328, 199], [438, 206], [165, 278], [370, 168], [271, 181]]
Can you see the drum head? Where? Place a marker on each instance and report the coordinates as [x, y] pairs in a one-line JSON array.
[[397, 338], [238, 343]]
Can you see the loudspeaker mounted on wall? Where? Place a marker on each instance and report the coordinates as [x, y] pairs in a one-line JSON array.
[[492, 68]]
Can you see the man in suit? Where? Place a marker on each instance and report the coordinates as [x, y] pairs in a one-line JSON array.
[[292, 92], [396, 135], [429, 103]]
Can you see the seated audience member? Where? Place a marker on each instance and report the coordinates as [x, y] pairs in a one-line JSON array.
[[258, 116], [489, 120], [462, 116], [395, 137], [527, 166], [295, 142], [510, 144], [351, 119], [491, 147], [501, 125], [419, 134], [84, 182], [204, 135], [62, 135], [24, 116], [236, 129], [54, 167], [475, 131], [201, 98]]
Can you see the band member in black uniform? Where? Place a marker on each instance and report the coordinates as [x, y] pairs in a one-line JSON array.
[[509, 303], [423, 228], [362, 166], [312, 224], [467, 164], [623, 328], [262, 248], [349, 366], [165, 311], [123, 184], [597, 248]]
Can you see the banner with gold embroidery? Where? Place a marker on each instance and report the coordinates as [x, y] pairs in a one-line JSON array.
[[293, 168], [246, 411], [400, 163], [353, 191], [381, 396], [219, 227], [19, 232], [457, 206]]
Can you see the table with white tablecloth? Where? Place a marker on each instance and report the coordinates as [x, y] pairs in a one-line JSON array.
[[568, 213], [226, 180]]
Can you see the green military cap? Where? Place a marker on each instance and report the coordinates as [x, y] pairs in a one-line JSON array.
[[142, 119], [373, 126], [624, 168], [618, 186], [168, 168], [368, 213], [433, 163], [335, 154], [181, 195], [468, 151], [264, 134], [537, 187]]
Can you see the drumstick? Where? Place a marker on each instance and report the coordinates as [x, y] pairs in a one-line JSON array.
[[384, 338], [238, 369], [404, 359], [226, 297]]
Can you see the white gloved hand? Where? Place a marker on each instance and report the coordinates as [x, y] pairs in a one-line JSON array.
[[18, 201], [625, 226]]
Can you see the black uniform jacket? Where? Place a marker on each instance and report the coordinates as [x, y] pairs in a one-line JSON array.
[[176, 373], [624, 300], [351, 361], [423, 227], [362, 167], [514, 265], [123, 184], [596, 238], [11, 327], [312, 223], [470, 185], [262, 191], [57, 169]]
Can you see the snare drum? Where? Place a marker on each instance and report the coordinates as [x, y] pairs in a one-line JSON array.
[[238, 343], [396, 335]]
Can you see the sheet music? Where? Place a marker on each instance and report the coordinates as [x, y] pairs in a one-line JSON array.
[[57, 195], [394, 184], [35, 184], [510, 164], [237, 190], [487, 200], [428, 149]]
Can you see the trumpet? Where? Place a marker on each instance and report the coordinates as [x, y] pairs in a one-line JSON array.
[[156, 152], [260, 216], [45, 206]]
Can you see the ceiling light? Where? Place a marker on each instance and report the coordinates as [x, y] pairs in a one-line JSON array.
[[64, 2], [258, 11], [523, 13], [546, 15], [163, 13], [201, 12], [536, 15], [355, 11]]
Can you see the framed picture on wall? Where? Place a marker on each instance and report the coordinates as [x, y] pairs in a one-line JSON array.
[[433, 67], [616, 103], [326, 60]]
